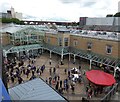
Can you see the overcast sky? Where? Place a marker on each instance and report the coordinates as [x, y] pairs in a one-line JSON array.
[[61, 10]]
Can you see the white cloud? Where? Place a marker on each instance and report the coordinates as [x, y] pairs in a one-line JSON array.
[[62, 9]]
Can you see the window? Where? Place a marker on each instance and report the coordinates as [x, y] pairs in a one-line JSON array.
[[109, 49], [60, 41], [89, 45], [66, 41], [48, 40], [75, 43], [34, 37]]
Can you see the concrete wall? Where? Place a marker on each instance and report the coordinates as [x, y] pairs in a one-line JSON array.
[[100, 21], [106, 21]]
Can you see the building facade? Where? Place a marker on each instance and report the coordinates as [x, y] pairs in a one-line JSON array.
[[11, 14], [98, 46]]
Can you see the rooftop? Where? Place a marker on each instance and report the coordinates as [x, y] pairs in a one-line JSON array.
[[97, 34], [38, 91], [12, 28]]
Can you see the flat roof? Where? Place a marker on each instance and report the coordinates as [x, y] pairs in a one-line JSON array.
[[35, 89], [97, 34]]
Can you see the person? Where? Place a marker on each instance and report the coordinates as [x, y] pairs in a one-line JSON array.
[[60, 83], [27, 72], [33, 73], [24, 71], [50, 80], [69, 74], [79, 68], [89, 92], [12, 79], [84, 100], [42, 69], [87, 87], [65, 71], [50, 62], [57, 85], [37, 71], [32, 77], [72, 88], [58, 77], [20, 80], [54, 70], [55, 78], [46, 80], [50, 70]]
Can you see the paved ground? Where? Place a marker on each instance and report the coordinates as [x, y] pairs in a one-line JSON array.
[[79, 88]]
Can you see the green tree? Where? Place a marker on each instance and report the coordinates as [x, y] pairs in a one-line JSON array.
[[6, 20], [11, 20], [109, 15]]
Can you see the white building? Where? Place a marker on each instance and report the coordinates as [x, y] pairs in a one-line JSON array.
[[18, 15], [119, 6]]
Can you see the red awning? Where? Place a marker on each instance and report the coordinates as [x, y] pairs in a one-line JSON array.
[[100, 78]]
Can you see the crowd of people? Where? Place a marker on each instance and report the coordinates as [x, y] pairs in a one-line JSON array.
[[16, 70]]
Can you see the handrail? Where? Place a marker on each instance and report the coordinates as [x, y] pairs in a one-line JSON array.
[[110, 93]]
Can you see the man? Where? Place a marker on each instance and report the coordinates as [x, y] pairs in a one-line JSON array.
[[20, 80]]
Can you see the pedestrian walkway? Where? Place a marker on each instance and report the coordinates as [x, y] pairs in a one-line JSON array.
[[80, 88]]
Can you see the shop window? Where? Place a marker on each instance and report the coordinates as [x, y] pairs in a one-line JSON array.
[[109, 49]]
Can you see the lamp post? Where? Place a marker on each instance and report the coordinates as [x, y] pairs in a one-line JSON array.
[[74, 58], [90, 63], [50, 54], [90, 58], [62, 57], [69, 61]]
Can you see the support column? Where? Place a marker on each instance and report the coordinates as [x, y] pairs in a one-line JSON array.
[[69, 57], [69, 62], [5, 54], [90, 64], [50, 54], [114, 72], [28, 53], [42, 50], [18, 55], [74, 58], [61, 58], [32, 52]]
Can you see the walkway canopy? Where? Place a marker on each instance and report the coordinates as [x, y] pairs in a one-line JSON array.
[[24, 48], [106, 60], [57, 49], [100, 78]]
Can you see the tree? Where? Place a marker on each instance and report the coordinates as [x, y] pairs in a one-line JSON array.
[[117, 14], [109, 15], [12, 20]]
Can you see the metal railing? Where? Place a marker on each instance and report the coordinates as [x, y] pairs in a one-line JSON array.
[[109, 95]]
